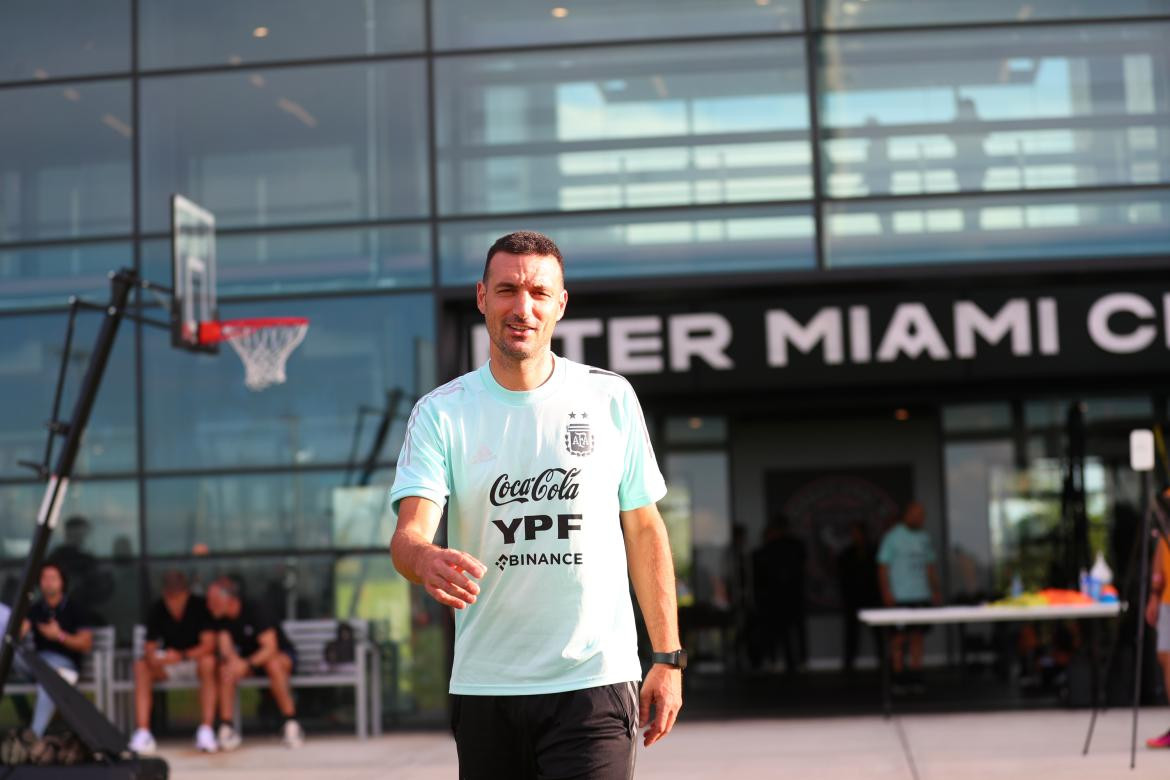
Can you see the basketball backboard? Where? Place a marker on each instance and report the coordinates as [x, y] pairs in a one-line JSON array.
[[193, 269]]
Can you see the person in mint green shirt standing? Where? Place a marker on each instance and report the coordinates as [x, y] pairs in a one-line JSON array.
[[908, 578], [549, 480]]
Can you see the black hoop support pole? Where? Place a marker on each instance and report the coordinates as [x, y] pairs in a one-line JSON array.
[[121, 283]]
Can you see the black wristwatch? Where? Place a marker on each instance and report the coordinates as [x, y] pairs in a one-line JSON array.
[[677, 659]]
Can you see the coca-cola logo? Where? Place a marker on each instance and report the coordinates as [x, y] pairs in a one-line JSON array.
[[548, 485]]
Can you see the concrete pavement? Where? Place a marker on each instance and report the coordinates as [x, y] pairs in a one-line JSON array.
[[1036, 745]]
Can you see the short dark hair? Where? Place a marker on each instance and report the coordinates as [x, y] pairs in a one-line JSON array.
[[229, 585], [525, 242], [56, 565]]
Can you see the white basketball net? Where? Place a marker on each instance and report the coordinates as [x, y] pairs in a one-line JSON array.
[[264, 350]]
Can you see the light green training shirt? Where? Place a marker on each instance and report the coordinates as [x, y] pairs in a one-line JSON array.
[[533, 483]]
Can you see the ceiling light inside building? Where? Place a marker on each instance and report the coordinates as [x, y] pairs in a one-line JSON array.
[[260, 32], [695, 423], [560, 12], [901, 415]]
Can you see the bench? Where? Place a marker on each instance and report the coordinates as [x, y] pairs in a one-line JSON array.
[[308, 638], [96, 674]]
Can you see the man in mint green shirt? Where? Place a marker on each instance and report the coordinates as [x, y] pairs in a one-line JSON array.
[[550, 484], [908, 578]]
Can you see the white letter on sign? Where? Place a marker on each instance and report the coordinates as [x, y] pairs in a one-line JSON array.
[[971, 320], [573, 333], [911, 331], [825, 327], [1121, 343], [705, 336], [630, 339]]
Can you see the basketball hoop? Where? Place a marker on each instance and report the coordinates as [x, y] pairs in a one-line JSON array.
[[263, 344]]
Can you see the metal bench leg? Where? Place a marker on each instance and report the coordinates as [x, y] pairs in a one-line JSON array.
[[376, 691]]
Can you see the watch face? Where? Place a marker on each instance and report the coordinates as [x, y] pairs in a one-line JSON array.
[[681, 659]]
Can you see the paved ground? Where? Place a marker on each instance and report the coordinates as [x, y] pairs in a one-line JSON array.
[[989, 746]]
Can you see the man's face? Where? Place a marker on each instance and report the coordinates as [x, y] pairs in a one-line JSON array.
[[51, 583], [216, 601], [915, 516], [522, 300]]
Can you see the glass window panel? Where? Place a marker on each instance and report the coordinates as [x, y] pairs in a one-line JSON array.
[[615, 128], [976, 418], [54, 38], [996, 109], [99, 519], [1054, 412], [297, 260], [852, 14], [358, 349], [648, 243], [49, 275], [972, 469], [177, 33], [1001, 227], [473, 23], [72, 175], [287, 146], [303, 510], [696, 430], [30, 358]]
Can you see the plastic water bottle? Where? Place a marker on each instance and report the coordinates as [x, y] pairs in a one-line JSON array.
[[1099, 576], [1083, 582], [1017, 585]]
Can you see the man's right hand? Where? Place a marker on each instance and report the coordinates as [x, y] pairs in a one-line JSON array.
[[444, 573]]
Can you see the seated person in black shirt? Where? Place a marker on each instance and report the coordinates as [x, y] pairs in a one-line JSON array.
[[61, 636], [251, 642], [180, 645]]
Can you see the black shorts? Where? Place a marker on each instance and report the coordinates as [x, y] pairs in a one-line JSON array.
[[588, 734], [914, 628]]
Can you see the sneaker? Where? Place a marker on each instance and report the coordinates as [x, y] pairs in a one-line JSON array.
[[1162, 741], [294, 735], [205, 740], [228, 738], [142, 742]]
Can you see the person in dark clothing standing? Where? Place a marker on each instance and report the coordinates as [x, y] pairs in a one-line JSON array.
[[857, 575], [251, 642], [778, 580], [61, 635], [180, 645]]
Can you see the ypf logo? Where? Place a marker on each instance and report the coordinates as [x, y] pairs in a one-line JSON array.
[[578, 436]]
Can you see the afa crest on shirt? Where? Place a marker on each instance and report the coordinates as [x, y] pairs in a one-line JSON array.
[[578, 436]]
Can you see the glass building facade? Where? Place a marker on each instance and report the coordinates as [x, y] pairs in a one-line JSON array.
[[360, 155]]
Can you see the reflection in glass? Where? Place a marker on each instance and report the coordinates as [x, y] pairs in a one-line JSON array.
[[648, 243], [287, 146], [1000, 227], [997, 109], [99, 520], [302, 510], [852, 14], [36, 44], [623, 127], [72, 175], [176, 33], [473, 23], [30, 358], [977, 417], [969, 469], [311, 260], [50, 275], [358, 350]]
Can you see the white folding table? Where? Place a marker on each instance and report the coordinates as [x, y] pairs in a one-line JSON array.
[[884, 618]]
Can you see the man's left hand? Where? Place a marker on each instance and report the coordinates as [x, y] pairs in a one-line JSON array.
[[662, 691], [50, 630]]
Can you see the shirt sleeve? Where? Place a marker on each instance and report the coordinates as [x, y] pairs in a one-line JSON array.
[[886, 551], [422, 464], [641, 482]]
